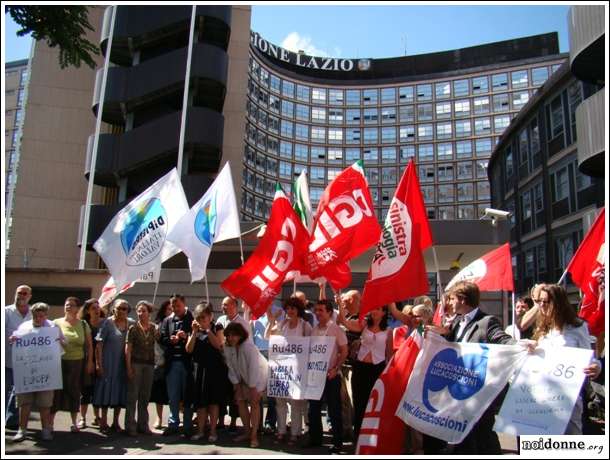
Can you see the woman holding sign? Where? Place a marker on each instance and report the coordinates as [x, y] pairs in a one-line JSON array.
[[42, 399], [558, 326], [293, 326], [248, 374]]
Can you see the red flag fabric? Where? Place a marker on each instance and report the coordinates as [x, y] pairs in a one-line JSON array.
[[382, 432], [280, 250], [398, 270], [345, 226], [109, 291], [439, 313], [587, 268], [492, 272]]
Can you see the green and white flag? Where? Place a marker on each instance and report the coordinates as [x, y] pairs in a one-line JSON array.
[[302, 205]]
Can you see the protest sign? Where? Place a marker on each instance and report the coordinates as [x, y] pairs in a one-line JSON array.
[[298, 366], [452, 385], [542, 395], [37, 360]]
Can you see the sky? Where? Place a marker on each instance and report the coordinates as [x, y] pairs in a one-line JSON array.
[[366, 31]]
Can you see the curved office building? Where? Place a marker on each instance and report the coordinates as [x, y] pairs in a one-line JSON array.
[[444, 109]]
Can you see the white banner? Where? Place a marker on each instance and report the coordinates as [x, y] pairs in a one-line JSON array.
[[452, 385], [37, 360], [298, 366], [543, 394]]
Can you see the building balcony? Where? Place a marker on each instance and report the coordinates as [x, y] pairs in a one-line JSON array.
[[590, 131], [586, 31]]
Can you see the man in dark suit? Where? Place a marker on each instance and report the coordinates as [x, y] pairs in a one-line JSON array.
[[474, 326]]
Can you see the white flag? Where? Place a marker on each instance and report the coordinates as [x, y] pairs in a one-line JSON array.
[[135, 244], [213, 218]]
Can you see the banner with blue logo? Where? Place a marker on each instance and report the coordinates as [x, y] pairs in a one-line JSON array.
[[213, 218], [452, 384], [135, 244]]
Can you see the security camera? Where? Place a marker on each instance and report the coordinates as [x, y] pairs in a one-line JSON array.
[[496, 213]]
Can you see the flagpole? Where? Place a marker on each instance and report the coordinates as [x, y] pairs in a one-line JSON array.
[[92, 165], [207, 293], [294, 286], [563, 276], [156, 287], [513, 309], [186, 93], [438, 272]]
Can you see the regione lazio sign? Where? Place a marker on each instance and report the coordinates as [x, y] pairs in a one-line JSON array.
[[310, 62], [452, 385]]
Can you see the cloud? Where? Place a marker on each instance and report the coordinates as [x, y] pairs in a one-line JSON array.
[[295, 42]]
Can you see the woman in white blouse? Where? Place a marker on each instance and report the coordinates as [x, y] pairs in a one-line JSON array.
[[558, 326], [375, 350], [293, 326], [248, 374]]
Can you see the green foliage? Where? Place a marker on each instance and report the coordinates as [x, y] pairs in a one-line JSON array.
[[63, 26]]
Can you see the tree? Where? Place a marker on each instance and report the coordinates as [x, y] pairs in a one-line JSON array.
[[63, 26]]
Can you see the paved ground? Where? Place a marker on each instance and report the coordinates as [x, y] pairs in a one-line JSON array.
[[91, 442]]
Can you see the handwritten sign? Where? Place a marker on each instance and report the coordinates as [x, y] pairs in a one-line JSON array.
[[543, 394], [37, 360], [298, 366]]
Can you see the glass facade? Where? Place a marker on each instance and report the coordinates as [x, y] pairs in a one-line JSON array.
[[450, 124]]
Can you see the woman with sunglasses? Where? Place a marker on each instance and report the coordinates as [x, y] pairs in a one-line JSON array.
[[111, 384], [559, 326], [292, 326]]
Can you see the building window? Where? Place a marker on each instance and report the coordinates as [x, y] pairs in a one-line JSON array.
[[318, 95], [388, 95], [446, 213], [353, 116], [287, 128], [405, 94], [523, 148], [388, 155], [442, 90], [302, 132], [301, 152], [564, 247], [500, 123], [424, 132], [335, 97], [462, 128], [428, 193], [461, 88], [424, 112], [302, 112], [539, 75], [483, 190], [529, 263], [285, 149], [483, 147], [274, 103], [335, 135], [287, 109], [519, 79], [285, 170], [318, 134], [333, 173], [318, 114], [388, 175], [272, 167], [481, 105], [463, 149], [444, 151], [574, 100], [318, 154], [371, 116], [370, 97], [556, 117], [388, 114], [274, 84], [406, 153], [388, 135], [538, 197], [371, 155], [335, 156], [335, 116], [508, 163], [482, 126], [425, 152], [426, 173], [372, 175], [424, 93], [462, 108], [443, 110], [464, 170], [352, 155], [519, 99], [446, 193], [534, 136], [352, 136], [465, 191], [317, 174], [352, 96], [303, 93], [371, 135], [480, 85], [407, 133], [288, 89], [562, 185], [482, 168], [407, 113], [445, 173], [500, 102], [273, 145], [466, 212], [499, 82]]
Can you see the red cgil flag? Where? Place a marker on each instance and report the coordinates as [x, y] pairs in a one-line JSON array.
[[587, 268], [492, 272], [344, 228], [382, 432], [398, 270], [281, 249]]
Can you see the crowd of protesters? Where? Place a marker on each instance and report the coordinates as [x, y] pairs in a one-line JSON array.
[[181, 357]]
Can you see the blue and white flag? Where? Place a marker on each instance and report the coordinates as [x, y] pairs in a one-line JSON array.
[[452, 384], [213, 218], [135, 244]]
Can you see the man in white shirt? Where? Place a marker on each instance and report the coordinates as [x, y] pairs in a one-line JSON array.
[[332, 388], [14, 316]]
